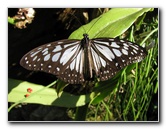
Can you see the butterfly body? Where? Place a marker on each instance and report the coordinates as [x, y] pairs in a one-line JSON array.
[[76, 61]]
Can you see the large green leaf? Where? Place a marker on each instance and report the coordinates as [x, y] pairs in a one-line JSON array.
[[111, 24], [42, 95], [48, 96]]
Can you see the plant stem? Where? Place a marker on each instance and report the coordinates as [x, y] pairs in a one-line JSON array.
[[81, 113]]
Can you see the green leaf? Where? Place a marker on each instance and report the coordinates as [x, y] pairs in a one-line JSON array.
[[43, 95], [103, 89], [11, 20], [60, 86], [111, 24]]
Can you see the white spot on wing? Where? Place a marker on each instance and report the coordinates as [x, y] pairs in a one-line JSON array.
[[72, 65], [111, 39], [69, 44], [105, 51], [48, 45], [78, 58], [135, 51], [59, 42], [34, 58], [57, 48], [121, 40], [114, 44], [34, 53], [81, 63], [68, 54], [125, 45], [117, 52], [55, 57], [45, 53], [38, 59], [132, 53], [135, 47], [46, 49], [39, 48], [97, 41], [58, 69], [47, 57], [103, 62], [95, 59], [124, 52]]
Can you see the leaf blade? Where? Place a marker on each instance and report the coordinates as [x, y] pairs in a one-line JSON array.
[[110, 24], [43, 95]]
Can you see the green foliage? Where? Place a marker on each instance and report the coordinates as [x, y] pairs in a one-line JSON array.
[[11, 20], [110, 24], [131, 100], [42, 95]]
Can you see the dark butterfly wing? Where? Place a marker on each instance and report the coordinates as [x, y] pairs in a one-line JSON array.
[[111, 55], [63, 58]]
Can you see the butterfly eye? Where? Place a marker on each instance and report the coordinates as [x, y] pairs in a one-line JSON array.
[[77, 61]]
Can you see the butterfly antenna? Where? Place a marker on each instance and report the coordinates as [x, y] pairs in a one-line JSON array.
[[78, 21], [83, 25]]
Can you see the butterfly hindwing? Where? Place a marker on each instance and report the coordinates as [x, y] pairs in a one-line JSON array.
[[73, 73]]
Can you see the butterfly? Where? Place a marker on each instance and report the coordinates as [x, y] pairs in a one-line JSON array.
[[76, 61]]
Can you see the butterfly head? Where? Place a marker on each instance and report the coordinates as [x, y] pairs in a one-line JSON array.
[[86, 36], [85, 41]]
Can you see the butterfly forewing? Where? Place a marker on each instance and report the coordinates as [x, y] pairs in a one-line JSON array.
[[62, 58], [67, 58], [111, 55]]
